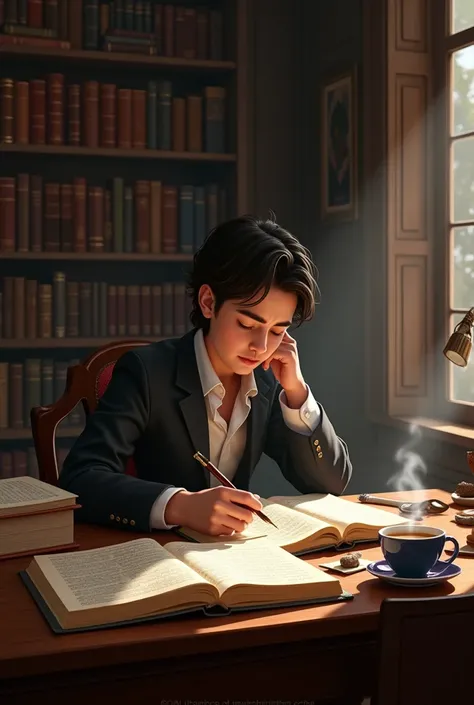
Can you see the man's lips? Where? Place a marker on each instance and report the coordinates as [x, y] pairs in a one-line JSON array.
[[248, 360]]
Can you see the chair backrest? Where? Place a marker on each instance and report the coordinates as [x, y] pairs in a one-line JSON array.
[[85, 383], [415, 633]]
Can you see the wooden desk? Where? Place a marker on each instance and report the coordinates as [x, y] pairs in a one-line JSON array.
[[303, 654]]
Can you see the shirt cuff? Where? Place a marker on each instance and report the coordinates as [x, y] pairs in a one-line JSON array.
[[157, 514], [303, 420]]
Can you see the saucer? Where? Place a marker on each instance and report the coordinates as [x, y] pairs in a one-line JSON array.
[[462, 501], [382, 570]]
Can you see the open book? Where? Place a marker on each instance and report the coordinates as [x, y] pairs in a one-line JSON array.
[[309, 523], [140, 580], [34, 516]]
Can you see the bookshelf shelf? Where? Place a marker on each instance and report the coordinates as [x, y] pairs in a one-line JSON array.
[[95, 256], [70, 150], [19, 434], [103, 58], [28, 343]]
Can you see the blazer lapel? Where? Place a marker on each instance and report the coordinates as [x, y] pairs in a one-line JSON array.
[[193, 405]]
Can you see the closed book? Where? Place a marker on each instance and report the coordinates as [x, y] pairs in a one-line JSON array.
[[22, 112], [90, 117], [32, 390], [7, 214], [108, 114], [215, 97], [74, 591], [164, 115], [186, 219], [152, 116], [55, 108], [38, 111], [138, 119], [91, 24], [36, 211], [23, 212], [52, 222], [34, 517], [7, 130]]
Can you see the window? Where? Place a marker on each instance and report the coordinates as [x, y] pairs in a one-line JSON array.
[[459, 61]]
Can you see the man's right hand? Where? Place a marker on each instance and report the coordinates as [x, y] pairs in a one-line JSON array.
[[213, 511]]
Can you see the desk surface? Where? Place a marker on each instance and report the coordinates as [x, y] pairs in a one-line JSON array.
[[31, 648]]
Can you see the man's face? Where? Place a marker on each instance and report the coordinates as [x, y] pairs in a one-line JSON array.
[[241, 337]]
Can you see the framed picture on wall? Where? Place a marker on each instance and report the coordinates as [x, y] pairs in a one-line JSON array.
[[339, 147]]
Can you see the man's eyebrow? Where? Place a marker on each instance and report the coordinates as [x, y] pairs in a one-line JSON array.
[[259, 319]]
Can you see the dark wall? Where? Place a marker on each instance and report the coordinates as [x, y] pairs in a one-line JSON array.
[[297, 43]]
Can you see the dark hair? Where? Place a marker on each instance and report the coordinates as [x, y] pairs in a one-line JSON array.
[[244, 255]]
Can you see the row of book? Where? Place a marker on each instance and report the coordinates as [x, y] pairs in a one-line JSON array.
[[33, 382], [142, 216], [22, 461], [93, 115], [68, 309], [115, 25]]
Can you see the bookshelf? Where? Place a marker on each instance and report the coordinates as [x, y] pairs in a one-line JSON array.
[[124, 133]]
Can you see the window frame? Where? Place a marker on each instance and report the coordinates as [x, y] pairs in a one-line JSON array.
[[445, 409]]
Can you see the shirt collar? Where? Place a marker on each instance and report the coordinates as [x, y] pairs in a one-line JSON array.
[[209, 379]]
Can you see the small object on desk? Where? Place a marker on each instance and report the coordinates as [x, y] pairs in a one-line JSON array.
[[470, 539], [462, 501], [427, 506], [227, 483], [465, 518], [465, 489], [340, 568], [350, 560]]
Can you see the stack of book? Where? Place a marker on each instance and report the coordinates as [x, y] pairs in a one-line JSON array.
[[34, 517]]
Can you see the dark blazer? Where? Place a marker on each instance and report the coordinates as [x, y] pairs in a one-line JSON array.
[[154, 410]]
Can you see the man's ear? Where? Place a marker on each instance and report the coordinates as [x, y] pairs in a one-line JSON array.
[[206, 300]]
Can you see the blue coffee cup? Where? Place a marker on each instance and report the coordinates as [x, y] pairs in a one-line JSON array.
[[412, 551]]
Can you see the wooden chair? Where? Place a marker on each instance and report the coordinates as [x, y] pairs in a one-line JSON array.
[[85, 383], [426, 651]]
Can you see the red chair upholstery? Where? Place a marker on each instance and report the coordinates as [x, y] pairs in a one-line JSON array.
[[85, 383]]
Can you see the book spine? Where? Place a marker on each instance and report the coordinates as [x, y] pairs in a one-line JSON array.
[[23, 213], [22, 112], [79, 188], [91, 24], [164, 115], [178, 131], [66, 221], [31, 314], [59, 303], [142, 216], [128, 220], [170, 219], [36, 206], [152, 115], [117, 213], [91, 114], [74, 114], [45, 318], [186, 219], [7, 214], [52, 218], [38, 111], [55, 101], [72, 308], [139, 112], [19, 306], [6, 111], [125, 118], [47, 389], [108, 114]]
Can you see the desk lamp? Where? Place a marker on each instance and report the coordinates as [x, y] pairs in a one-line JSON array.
[[458, 350]]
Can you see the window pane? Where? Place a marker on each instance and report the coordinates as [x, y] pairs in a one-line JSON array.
[[462, 14], [461, 379], [463, 180], [462, 90], [462, 259]]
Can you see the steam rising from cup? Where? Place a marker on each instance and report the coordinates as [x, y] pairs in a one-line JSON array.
[[411, 467]]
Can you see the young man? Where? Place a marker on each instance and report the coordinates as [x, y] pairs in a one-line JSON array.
[[232, 388]]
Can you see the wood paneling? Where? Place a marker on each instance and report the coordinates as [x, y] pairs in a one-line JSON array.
[[411, 109], [410, 334], [411, 23]]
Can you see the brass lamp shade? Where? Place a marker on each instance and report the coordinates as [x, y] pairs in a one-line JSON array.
[[458, 348]]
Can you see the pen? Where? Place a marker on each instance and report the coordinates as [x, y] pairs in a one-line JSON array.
[[227, 483]]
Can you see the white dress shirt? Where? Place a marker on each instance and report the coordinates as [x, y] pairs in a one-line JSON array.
[[227, 441]]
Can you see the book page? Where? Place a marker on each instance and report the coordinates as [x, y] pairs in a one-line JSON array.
[[258, 563], [292, 527], [340, 512], [114, 575], [21, 494]]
